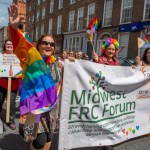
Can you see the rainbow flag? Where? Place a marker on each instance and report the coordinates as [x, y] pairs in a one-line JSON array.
[[19, 75], [93, 25], [38, 90]]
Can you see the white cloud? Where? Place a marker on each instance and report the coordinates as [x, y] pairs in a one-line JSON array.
[[2, 20]]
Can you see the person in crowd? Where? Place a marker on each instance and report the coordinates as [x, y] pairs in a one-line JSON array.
[[62, 58], [145, 60], [49, 121], [108, 57], [109, 52], [86, 57], [79, 55], [71, 56], [8, 49]]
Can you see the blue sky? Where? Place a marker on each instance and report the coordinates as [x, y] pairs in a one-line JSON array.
[[4, 12]]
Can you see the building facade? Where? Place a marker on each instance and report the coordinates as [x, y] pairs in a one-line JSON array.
[[4, 35], [67, 21], [22, 12]]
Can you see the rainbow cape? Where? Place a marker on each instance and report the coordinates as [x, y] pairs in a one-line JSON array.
[[38, 90], [93, 25]]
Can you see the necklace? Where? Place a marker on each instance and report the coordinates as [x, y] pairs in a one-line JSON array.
[[49, 60]]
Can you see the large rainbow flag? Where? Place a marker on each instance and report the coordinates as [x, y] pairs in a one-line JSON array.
[[38, 89]]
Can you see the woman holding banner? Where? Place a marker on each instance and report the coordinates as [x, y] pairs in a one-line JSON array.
[[8, 49], [41, 76], [145, 61], [108, 53], [108, 57]]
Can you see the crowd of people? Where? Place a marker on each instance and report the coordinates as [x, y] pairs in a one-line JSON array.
[[49, 121]]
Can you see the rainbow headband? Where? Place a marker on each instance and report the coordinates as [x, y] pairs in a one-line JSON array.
[[108, 42]]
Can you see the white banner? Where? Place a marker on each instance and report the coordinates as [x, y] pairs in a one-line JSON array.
[[9, 65], [103, 105]]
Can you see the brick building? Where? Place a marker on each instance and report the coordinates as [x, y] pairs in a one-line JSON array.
[[22, 12], [4, 34], [67, 20]]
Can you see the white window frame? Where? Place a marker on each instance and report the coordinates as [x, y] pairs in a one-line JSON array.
[[60, 4], [72, 1], [80, 18], [90, 7], [123, 47], [33, 17], [37, 33], [37, 15], [106, 12], [144, 13], [42, 29], [59, 22], [71, 20], [51, 6], [121, 22], [30, 8], [50, 26], [43, 12], [38, 2]]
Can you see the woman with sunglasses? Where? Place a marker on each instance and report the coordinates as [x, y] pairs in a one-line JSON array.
[[8, 50], [49, 120]]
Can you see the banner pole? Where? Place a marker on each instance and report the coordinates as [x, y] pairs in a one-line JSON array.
[[8, 96]]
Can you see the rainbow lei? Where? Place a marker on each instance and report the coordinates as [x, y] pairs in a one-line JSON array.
[[49, 60], [108, 42]]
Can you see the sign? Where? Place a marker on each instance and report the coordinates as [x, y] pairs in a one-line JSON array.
[[9, 59], [135, 26], [147, 31], [9, 65], [103, 105]]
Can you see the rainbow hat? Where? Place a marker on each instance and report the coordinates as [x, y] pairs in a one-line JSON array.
[[108, 42]]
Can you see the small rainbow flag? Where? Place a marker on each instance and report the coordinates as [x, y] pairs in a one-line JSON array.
[[38, 90], [93, 25]]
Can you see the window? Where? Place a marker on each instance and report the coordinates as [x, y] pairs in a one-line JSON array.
[[123, 40], [37, 15], [60, 4], [107, 12], [37, 33], [80, 18], [42, 29], [59, 24], [43, 12], [126, 11], [74, 43], [32, 35], [91, 11], [30, 8], [32, 19], [50, 26], [51, 6], [38, 2], [72, 1], [71, 21], [147, 10]]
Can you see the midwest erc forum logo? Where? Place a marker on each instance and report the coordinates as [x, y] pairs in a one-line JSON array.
[[98, 81]]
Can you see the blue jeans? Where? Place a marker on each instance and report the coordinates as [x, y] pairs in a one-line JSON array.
[[3, 93]]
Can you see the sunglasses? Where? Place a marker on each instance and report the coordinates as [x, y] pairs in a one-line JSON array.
[[52, 44]]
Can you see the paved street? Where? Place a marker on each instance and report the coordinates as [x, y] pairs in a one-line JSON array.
[[11, 140]]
